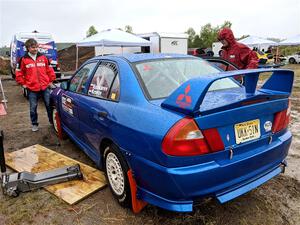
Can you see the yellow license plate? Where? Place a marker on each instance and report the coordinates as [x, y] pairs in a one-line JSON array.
[[247, 131]]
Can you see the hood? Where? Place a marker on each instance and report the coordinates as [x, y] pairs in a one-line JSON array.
[[227, 34]]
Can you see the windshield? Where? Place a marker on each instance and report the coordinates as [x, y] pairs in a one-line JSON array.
[[161, 77]]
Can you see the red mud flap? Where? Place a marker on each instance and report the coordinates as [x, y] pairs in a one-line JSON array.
[[137, 205], [227, 196], [60, 133]]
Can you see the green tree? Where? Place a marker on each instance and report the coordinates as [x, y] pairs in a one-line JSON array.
[[128, 29], [91, 31], [208, 34], [227, 24], [191, 36]]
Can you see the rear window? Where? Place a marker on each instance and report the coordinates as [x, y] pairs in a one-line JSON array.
[[161, 77]]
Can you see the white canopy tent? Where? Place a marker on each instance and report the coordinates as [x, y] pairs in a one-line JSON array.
[[253, 41], [112, 37], [291, 41]]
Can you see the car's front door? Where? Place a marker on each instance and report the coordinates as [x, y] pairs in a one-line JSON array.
[[97, 106], [70, 98]]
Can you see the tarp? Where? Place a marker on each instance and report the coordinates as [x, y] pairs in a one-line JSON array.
[[114, 37], [291, 41], [256, 41]]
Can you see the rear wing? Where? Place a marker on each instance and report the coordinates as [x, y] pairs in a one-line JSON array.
[[188, 97]]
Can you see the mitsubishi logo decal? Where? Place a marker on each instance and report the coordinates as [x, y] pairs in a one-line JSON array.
[[184, 100]]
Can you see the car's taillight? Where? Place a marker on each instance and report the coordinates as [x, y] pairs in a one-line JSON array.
[[186, 139], [281, 119]]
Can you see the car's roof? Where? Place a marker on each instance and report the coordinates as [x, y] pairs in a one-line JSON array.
[[143, 57]]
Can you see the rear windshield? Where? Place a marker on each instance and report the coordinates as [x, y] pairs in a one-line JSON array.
[[161, 77]]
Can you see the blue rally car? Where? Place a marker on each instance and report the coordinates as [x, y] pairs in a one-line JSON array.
[[170, 130]]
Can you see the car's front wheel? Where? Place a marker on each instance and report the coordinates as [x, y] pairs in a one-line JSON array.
[[116, 170], [292, 61]]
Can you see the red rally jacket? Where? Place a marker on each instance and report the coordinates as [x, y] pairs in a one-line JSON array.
[[36, 75], [237, 53]]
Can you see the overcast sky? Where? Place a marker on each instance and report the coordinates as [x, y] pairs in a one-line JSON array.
[[68, 20]]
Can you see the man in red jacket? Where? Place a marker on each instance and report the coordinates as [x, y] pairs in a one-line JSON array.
[[35, 74], [235, 52]]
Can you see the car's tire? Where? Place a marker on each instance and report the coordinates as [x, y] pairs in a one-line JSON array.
[[57, 125], [116, 169], [292, 61]]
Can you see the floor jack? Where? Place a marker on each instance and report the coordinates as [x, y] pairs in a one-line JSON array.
[[15, 183]]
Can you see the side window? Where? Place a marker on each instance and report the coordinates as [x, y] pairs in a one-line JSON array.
[[78, 82], [223, 66], [105, 83], [115, 89]]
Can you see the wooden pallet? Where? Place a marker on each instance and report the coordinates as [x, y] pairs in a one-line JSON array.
[[37, 158]]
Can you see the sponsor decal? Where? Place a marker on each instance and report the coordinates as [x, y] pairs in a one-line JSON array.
[[232, 56], [268, 126], [41, 64], [113, 96], [67, 104], [184, 100], [45, 46], [97, 90], [30, 65]]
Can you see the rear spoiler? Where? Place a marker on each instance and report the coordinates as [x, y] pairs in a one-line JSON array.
[[188, 97]]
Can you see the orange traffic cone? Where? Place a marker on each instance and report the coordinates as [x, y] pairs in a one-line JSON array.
[[2, 110]]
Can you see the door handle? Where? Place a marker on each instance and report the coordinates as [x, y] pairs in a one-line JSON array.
[[102, 114]]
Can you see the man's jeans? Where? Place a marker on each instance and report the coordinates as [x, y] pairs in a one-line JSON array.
[[33, 102]]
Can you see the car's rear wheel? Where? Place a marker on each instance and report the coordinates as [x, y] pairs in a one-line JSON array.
[[292, 61], [116, 170]]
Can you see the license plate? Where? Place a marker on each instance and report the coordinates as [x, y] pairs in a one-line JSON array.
[[247, 131]]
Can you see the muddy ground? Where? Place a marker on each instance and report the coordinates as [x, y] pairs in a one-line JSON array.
[[276, 202]]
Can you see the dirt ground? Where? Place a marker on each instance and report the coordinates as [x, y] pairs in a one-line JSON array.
[[276, 202]]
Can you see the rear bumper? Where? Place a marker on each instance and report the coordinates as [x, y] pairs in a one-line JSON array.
[[178, 188]]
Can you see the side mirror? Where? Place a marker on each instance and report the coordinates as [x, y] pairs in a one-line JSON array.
[[64, 85]]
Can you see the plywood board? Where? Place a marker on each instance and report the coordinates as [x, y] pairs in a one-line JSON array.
[[37, 158]]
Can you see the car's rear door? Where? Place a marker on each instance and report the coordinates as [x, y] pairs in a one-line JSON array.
[[97, 105], [71, 98]]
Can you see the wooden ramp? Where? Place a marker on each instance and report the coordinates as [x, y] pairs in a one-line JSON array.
[[37, 158]]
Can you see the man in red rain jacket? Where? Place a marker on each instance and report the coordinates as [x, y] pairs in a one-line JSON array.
[[35, 74], [235, 52]]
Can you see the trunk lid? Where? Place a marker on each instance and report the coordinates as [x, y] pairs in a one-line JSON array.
[[242, 115]]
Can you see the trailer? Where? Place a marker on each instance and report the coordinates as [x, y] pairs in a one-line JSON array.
[[46, 46], [160, 43], [166, 42]]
